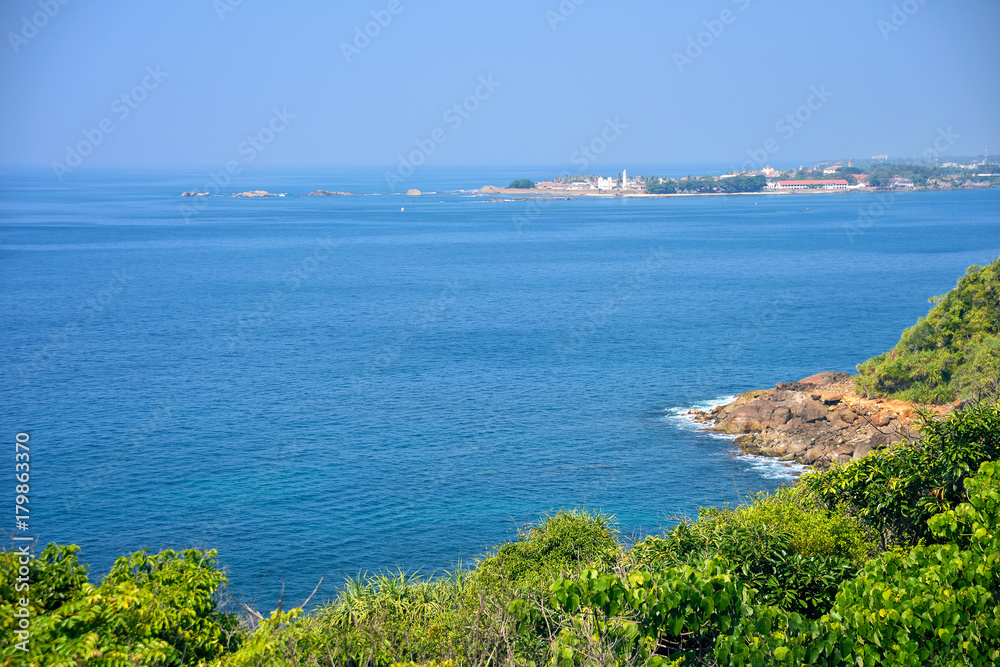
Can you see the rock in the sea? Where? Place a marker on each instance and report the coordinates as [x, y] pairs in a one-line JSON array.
[[253, 194], [326, 193], [490, 189], [413, 192], [192, 193]]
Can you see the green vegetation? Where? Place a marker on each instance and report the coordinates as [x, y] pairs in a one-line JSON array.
[[706, 184], [952, 353], [655, 187], [522, 184], [149, 610], [743, 184], [888, 560]]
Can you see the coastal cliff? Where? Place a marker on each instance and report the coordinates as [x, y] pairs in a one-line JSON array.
[[817, 421]]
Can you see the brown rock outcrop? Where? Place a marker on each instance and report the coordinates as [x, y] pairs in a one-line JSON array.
[[818, 421]]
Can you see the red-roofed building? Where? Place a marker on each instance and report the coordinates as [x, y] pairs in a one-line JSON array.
[[838, 184]]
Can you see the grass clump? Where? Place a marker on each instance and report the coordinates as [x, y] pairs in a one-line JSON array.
[[463, 616]]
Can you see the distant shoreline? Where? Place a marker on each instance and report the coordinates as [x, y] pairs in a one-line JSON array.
[[627, 194], [557, 195]]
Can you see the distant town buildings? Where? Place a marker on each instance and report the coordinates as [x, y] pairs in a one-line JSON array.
[[838, 184], [606, 183], [573, 186]]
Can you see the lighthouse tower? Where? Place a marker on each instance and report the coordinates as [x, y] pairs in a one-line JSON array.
[[624, 179]]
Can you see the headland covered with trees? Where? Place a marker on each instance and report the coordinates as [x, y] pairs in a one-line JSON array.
[[891, 559]]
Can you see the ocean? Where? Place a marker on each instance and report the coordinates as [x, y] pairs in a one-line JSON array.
[[322, 386]]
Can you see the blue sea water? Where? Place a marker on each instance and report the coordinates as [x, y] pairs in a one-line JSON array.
[[321, 386]]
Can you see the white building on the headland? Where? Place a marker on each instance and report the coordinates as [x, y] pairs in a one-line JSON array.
[[606, 183]]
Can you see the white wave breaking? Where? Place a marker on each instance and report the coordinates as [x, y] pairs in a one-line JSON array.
[[765, 466]]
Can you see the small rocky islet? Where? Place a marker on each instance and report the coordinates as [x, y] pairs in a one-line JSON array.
[[818, 421]]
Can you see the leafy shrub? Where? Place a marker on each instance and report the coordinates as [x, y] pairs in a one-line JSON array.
[[896, 490], [933, 605], [170, 598], [521, 184], [792, 551], [951, 353], [150, 610], [639, 618]]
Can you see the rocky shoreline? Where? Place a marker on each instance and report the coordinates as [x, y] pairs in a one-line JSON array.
[[817, 421]]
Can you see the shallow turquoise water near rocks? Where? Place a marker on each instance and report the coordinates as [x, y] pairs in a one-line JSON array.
[[318, 386]]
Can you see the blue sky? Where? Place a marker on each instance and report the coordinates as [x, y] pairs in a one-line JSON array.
[[680, 82]]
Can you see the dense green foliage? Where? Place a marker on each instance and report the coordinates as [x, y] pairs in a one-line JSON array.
[[706, 184], [793, 551], [522, 184], [655, 187], [743, 184], [149, 610], [953, 352], [932, 605]]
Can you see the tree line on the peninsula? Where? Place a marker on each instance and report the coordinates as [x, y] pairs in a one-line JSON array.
[[892, 559]]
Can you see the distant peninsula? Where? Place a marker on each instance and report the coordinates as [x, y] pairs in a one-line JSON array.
[[821, 178]]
